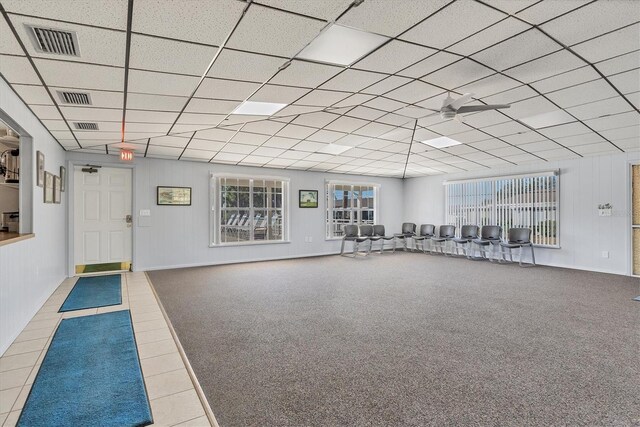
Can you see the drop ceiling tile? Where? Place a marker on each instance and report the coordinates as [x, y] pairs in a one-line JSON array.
[[203, 144], [56, 125], [8, 42], [346, 124], [171, 56], [351, 101], [78, 11], [365, 113], [378, 17], [289, 112], [485, 118], [309, 146], [522, 158], [620, 63], [634, 98], [305, 74], [478, 156], [34, 94], [179, 128], [504, 129], [449, 127], [295, 131], [150, 128], [222, 135], [384, 104], [169, 141], [575, 140], [153, 102], [424, 134], [150, 116], [249, 138], [510, 96], [397, 134], [255, 160], [264, 127], [228, 157], [530, 107], [281, 162], [318, 157], [458, 150], [92, 114], [226, 89], [599, 148], [197, 155], [326, 136], [509, 6], [546, 10], [269, 31], [565, 130], [323, 10], [458, 74], [505, 151], [278, 94], [174, 20], [582, 94], [430, 64], [112, 44], [524, 138], [396, 120], [628, 145], [268, 152], [546, 66], [490, 36], [303, 164], [424, 116], [524, 47], [571, 78], [352, 80], [609, 45], [386, 85], [294, 155], [155, 83], [393, 57], [471, 136], [206, 120], [413, 92], [252, 67], [316, 120], [622, 133], [444, 28], [163, 152], [353, 140], [81, 76], [322, 98], [592, 20], [489, 144], [631, 118], [627, 82], [214, 106], [238, 148], [374, 130], [494, 162], [489, 85]]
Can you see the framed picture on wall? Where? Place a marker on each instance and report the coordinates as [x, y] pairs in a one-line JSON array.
[[48, 187], [40, 169], [57, 188], [174, 196], [63, 177], [308, 198]]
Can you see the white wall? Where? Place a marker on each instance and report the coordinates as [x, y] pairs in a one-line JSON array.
[[30, 270], [584, 183], [179, 236]]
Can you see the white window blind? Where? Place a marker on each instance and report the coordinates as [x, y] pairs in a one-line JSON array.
[[349, 204], [530, 201]]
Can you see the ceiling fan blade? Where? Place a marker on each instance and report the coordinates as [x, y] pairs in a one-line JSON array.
[[461, 101], [447, 101], [470, 108]]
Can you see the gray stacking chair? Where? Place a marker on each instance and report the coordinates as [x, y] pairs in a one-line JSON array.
[[351, 234], [427, 231], [445, 234], [490, 237], [408, 231], [467, 234], [379, 232], [518, 238]]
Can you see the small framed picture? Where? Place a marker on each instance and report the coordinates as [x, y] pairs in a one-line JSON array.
[[308, 199], [48, 187], [174, 196], [57, 188], [63, 178], [40, 169]]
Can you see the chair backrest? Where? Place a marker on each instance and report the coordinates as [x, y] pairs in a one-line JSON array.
[[408, 228], [519, 235], [350, 230], [378, 230], [427, 230], [491, 232], [469, 231], [231, 218], [243, 220], [366, 230], [447, 231]]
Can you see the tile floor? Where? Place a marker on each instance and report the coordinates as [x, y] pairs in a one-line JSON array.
[[173, 397]]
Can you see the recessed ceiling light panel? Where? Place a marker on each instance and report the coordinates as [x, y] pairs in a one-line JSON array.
[[441, 142], [341, 45], [251, 108], [334, 149], [545, 120]]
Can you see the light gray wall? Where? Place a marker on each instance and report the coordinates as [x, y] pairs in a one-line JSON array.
[[32, 269], [584, 183], [179, 236]]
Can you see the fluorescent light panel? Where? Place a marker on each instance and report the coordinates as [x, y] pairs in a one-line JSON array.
[[544, 120], [441, 142], [334, 149], [251, 108], [341, 45]]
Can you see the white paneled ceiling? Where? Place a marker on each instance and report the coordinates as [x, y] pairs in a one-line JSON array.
[[175, 71]]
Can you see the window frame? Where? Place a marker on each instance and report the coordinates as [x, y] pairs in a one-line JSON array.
[[329, 209], [522, 202], [215, 209]]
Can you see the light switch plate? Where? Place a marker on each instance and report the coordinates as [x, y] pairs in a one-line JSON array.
[[145, 212]]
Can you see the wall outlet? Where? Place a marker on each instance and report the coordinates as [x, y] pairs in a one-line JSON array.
[[605, 254]]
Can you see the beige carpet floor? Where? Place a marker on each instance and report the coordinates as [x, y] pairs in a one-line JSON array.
[[408, 340]]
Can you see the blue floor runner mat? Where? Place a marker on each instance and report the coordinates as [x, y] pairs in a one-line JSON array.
[[90, 376], [94, 291]]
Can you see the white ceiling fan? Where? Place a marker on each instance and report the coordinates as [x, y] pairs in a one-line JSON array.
[[451, 108]]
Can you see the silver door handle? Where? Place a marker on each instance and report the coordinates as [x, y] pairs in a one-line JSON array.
[[128, 219]]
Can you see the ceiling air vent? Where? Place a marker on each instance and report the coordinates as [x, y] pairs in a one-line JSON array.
[[76, 98], [59, 42], [86, 126]]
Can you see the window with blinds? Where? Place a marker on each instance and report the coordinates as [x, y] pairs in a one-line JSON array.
[[349, 204], [530, 201], [248, 210]]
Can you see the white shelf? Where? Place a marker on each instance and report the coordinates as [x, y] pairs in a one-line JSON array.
[[10, 185]]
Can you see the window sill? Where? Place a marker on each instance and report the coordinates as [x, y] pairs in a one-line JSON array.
[[254, 243], [7, 238], [330, 239]]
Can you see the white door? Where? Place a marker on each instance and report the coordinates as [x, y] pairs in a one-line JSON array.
[[102, 220]]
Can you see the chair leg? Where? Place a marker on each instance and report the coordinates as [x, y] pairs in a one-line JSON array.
[[510, 254], [533, 257], [342, 248], [394, 245]]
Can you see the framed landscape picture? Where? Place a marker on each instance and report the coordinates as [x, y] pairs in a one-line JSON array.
[[308, 199], [57, 188], [40, 169], [48, 187], [174, 196]]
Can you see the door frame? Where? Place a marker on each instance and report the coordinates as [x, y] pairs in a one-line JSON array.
[[629, 224], [71, 164]]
